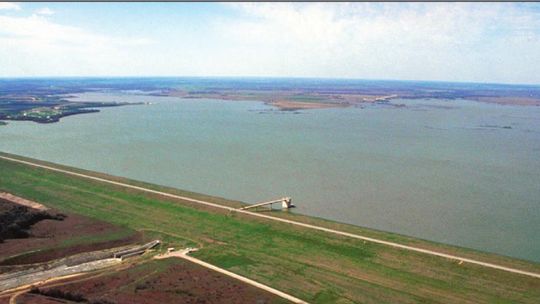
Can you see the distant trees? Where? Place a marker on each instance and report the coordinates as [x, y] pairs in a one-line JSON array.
[[59, 294], [15, 220], [66, 295]]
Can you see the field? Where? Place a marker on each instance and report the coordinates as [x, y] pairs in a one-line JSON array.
[[313, 265], [53, 239], [160, 281], [46, 238]]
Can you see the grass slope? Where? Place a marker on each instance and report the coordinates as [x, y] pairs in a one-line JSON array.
[[312, 265]]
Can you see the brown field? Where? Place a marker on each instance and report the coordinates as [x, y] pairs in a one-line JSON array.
[[163, 281], [290, 100], [138, 281], [287, 100], [52, 239]]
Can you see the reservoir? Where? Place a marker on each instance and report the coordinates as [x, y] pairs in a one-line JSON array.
[[452, 171]]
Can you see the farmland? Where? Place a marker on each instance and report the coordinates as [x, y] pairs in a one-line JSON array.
[[45, 100], [312, 265], [51, 238]]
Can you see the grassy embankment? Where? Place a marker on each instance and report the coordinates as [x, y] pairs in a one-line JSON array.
[[316, 266]]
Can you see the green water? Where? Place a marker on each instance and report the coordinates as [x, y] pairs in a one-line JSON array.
[[457, 172]]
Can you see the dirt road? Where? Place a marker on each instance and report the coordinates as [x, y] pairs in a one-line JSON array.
[[21, 201], [183, 254]]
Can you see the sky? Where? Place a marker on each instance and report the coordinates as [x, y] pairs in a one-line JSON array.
[[466, 42]]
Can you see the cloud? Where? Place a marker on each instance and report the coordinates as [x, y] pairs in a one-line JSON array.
[[36, 45], [39, 32], [9, 6], [446, 41], [45, 11], [486, 42]]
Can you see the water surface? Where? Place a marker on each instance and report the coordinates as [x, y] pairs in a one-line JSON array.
[[457, 172]]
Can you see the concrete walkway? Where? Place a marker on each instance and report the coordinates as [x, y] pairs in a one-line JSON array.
[[271, 218]]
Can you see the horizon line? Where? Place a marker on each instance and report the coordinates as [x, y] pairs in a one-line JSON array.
[[275, 77]]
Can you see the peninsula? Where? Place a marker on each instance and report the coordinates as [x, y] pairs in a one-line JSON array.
[[47, 100]]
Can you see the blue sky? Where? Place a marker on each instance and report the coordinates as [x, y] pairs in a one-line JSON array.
[[479, 42]]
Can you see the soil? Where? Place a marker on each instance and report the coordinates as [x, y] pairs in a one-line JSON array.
[[165, 281], [50, 239]]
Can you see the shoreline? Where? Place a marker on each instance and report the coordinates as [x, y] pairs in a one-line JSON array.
[[228, 204], [236, 242], [84, 108], [306, 101]]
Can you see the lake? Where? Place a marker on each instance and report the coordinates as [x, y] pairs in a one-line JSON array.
[[453, 171]]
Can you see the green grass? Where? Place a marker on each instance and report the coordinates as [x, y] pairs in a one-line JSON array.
[[313, 265], [308, 98], [229, 261]]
